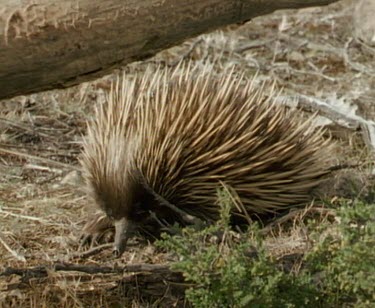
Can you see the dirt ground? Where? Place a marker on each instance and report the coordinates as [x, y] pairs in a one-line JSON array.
[[308, 53]]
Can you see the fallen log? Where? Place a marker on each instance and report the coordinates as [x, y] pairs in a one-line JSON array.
[[48, 44]]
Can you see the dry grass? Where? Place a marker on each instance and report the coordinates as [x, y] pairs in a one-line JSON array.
[[42, 205]]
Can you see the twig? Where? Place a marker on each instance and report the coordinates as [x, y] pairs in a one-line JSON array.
[[254, 44], [33, 218], [13, 252], [294, 213], [42, 159], [187, 52], [343, 166], [350, 121], [366, 46], [25, 128], [92, 251], [356, 66], [328, 111], [42, 168], [283, 66], [42, 271]]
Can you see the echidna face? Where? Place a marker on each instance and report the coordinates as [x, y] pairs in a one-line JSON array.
[[127, 206], [119, 207]]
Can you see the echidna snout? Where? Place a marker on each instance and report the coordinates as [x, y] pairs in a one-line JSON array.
[[123, 230]]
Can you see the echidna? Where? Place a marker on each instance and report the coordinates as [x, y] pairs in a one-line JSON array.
[[169, 138]]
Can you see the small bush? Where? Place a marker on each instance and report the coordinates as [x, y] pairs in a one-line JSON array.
[[229, 270], [345, 257], [232, 270]]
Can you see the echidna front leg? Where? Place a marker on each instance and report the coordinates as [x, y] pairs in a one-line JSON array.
[[97, 226], [124, 229]]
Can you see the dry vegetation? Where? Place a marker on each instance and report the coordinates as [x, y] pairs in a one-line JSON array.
[[43, 207]]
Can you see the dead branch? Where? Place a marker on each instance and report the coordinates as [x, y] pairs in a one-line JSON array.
[[42, 270], [157, 281], [349, 121]]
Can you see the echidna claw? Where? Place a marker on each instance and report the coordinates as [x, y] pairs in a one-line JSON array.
[[95, 230], [88, 239]]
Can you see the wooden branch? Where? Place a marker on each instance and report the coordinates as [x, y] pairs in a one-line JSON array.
[[145, 280], [47, 44], [343, 118], [42, 271]]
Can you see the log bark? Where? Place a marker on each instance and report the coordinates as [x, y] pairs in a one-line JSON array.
[[47, 44]]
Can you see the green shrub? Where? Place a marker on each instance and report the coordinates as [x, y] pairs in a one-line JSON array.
[[344, 258], [228, 269]]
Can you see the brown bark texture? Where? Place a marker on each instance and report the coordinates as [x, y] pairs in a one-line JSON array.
[[48, 44]]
